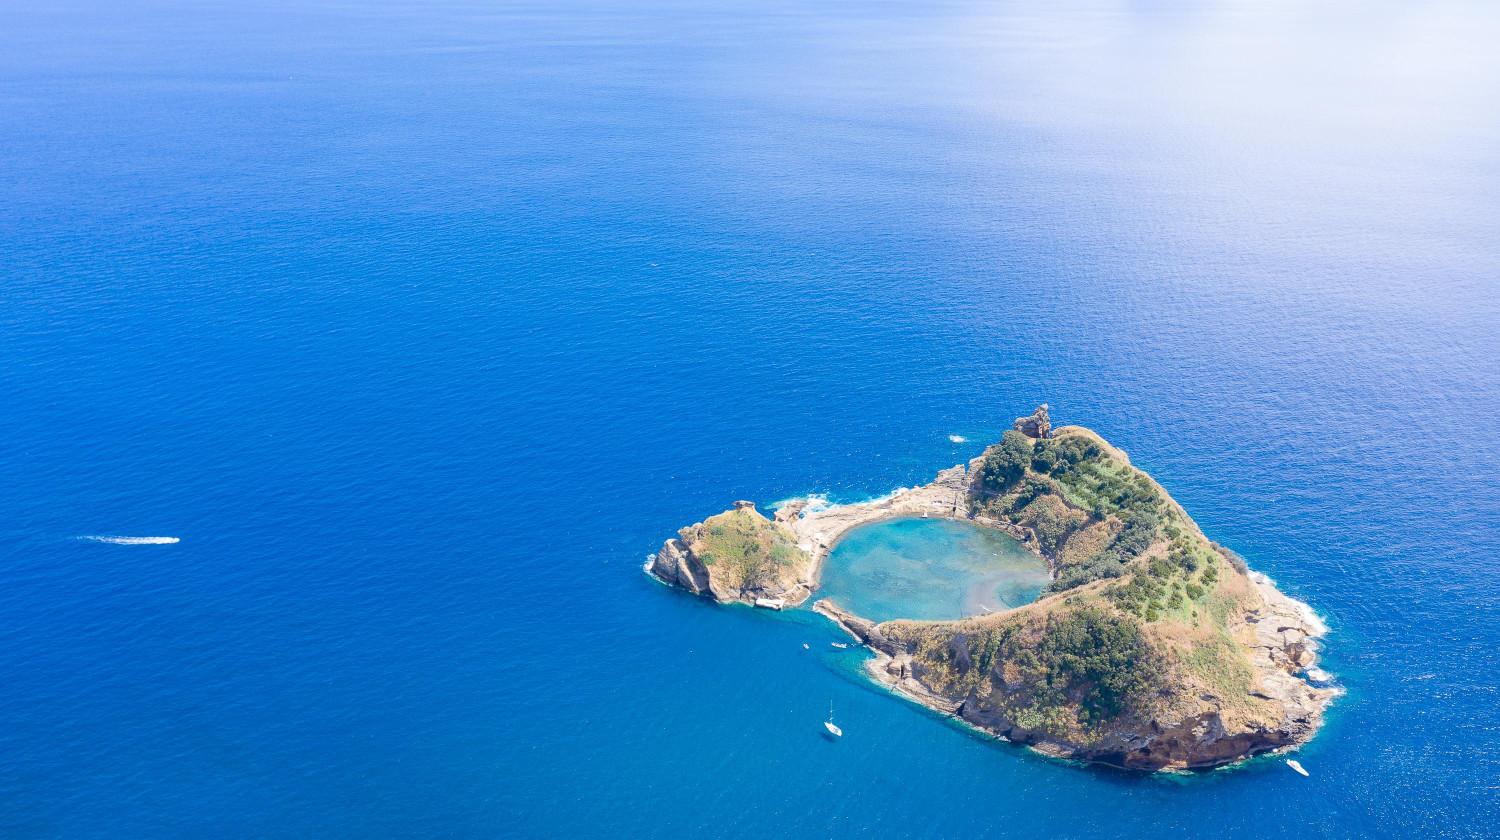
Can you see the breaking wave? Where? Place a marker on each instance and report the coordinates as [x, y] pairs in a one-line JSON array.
[[819, 502], [814, 502], [958, 438], [1320, 627]]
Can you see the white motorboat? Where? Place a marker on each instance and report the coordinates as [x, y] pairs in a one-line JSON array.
[[1295, 765], [838, 644]]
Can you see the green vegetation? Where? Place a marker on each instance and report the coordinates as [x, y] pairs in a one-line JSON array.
[[1078, 668], [1006, 462], [1103, 657], [1052, 523], [1233, 559], [1059, 487], [1017, 474], [1113, 559], [1164, 586], [1034, 488], [1062, 455], [746, 549]]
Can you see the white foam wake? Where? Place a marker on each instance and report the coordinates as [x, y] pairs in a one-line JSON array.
[[133, 540], [958, 438]]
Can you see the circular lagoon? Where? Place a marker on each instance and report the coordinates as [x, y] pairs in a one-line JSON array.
[[931, 570]]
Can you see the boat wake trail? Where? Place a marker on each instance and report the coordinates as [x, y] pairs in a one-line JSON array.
[[133, 540]]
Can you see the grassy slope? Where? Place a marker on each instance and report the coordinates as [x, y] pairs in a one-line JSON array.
[[1138, 621], [744, 550]]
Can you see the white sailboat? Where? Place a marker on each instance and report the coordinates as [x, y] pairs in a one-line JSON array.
[[837, 732]]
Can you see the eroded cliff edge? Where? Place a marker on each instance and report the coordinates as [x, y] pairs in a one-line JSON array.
[[1152, 648]]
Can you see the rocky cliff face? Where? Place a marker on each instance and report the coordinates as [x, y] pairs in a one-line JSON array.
[[1037, 425], [738, 555], [677, 565], [1198, 728]]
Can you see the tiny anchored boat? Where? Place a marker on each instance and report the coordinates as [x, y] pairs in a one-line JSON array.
[[838, 644], [1291, 762], [836, 732]]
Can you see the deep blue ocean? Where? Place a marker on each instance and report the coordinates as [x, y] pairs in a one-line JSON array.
[[421, 324]]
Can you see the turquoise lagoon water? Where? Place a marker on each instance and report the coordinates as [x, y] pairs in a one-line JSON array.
[[929, 569]]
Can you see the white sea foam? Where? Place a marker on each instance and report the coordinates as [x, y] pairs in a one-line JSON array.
[[133, 540], [1309, 615], [819, 502], [646, 567], [815, 502], [958, 438], [1318, 624], [884, 497]]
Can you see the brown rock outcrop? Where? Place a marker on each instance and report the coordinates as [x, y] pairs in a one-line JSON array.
[[676, 565], [1037, 425]]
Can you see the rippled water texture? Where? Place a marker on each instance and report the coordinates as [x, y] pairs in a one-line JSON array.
[[419, 325], [931, 570]]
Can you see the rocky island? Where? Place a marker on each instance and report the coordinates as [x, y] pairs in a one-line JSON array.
[[1152, 647]]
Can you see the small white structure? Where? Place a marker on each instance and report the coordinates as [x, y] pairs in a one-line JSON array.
[[770, 603]]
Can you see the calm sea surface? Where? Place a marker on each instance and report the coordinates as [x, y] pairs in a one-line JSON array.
[[421, 324]]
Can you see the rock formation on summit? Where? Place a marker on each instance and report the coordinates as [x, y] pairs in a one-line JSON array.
[[1037, 425]]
